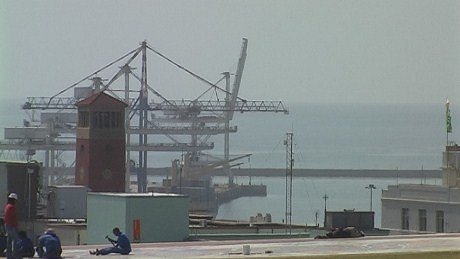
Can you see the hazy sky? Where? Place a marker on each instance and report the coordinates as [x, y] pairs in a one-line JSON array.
[[299, 51]]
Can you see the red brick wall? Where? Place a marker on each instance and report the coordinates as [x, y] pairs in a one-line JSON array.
[[100, 164]]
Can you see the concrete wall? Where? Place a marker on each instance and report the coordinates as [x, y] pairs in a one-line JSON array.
[[162, 217], [391, 215], [414, 198]]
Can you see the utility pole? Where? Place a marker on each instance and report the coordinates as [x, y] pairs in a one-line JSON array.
[[325, 197], [371, 187], [289, 165]]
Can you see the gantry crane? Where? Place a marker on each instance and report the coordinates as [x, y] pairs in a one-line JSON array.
[[195, 119]]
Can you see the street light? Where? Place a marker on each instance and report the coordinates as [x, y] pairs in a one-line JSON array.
[[371, 187], [325, 197]]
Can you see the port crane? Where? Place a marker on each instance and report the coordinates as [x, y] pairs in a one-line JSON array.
[[185, 125]]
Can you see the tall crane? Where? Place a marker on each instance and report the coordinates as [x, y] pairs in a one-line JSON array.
[[196, 120]]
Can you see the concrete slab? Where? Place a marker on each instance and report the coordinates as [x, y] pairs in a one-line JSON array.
[[285, 247]]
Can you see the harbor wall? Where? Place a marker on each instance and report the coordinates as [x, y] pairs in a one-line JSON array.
[[281, 172]]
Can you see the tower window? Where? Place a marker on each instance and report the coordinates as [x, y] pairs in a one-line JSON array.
[[113, 122], [83, 119], [107, 120], [97, 120]]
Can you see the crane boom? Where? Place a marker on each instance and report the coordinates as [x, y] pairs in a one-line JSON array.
[[238, 76], [68, 103]]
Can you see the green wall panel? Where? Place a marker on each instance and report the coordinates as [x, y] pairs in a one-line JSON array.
[[162, 218]]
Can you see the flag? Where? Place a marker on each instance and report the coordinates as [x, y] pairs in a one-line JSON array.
[[448, 119]]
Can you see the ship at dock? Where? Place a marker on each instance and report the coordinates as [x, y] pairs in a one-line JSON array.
[[185, 125], [194, 179]]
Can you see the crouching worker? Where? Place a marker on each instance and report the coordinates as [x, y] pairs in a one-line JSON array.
[[49, 246], [120, 246], [24, 246]]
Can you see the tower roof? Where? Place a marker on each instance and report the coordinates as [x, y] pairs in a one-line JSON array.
[[100, 98]]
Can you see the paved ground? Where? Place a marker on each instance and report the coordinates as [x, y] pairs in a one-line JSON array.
[[285, 247]]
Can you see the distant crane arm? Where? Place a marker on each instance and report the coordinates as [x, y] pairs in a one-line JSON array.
[[238, 76]]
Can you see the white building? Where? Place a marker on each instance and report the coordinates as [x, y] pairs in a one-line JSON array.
[[432, 208]]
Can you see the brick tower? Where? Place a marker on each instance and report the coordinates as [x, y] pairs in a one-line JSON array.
[[100, 148]]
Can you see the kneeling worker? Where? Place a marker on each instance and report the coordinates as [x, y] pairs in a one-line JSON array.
[[120, 246], [49, 246]]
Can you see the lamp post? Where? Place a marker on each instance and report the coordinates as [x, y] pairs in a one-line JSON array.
[[371, 187], [180, 178], [325, 197], [29, 171]]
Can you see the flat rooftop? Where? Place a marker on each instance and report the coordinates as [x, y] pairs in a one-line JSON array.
[[403, 246]]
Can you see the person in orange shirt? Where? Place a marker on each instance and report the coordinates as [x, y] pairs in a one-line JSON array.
[[11, 224]]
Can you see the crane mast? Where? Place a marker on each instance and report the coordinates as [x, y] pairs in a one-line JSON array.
[[143, 122]]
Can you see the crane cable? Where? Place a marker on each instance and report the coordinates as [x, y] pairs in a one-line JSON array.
[[201, 95], [191, 73], [136, 51]]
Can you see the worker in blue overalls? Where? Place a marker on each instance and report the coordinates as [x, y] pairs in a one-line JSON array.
[[120, 246]]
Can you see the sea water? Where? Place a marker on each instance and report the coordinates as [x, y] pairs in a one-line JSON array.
[[307, 197], [346, 136]]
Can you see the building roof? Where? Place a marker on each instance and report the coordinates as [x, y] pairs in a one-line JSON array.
[[100, 98], [422, 193]]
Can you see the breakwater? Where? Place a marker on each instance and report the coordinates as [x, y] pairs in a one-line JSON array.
[[280, 172]]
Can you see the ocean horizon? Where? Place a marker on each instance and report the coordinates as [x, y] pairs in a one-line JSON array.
[[341, 136]]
